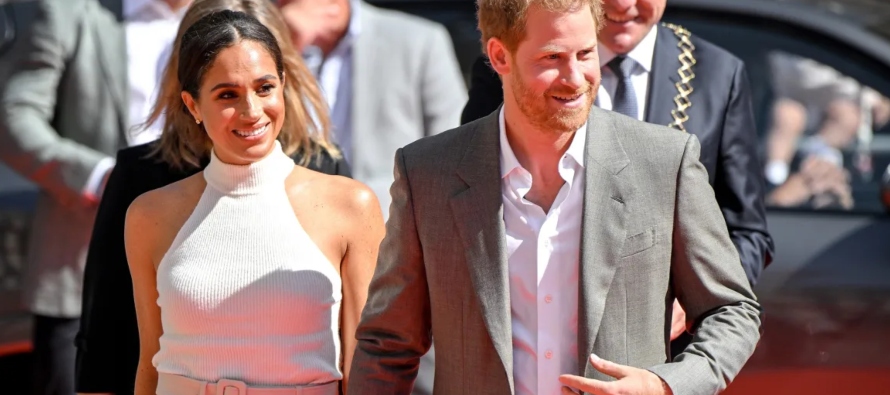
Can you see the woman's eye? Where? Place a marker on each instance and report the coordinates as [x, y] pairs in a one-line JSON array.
[[266, 88], [227, 95]]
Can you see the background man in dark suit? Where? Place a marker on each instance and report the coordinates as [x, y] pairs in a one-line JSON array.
[[646, 67]]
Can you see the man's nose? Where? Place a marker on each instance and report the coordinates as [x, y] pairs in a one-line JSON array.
[[573, 75], [619, 5]]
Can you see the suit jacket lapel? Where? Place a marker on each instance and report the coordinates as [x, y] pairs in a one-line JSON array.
[[112, 53], [607, 190], [665, 63], [478, 214]]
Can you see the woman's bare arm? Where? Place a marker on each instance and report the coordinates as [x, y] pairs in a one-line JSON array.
[[365, 233], [140, 236]]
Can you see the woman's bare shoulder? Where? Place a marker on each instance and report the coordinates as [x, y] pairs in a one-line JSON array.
[[348, 197], [170, 196], [167, 205]]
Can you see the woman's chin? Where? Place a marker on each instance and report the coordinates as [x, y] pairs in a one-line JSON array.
[[260, 150], [243, 154]]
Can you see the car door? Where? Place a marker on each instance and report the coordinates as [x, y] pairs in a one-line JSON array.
[[826, 293]]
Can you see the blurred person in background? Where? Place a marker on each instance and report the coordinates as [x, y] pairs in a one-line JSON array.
[[108, 350], [84, 78], [643, 67], [389, 78], [819, 118], [818, 112]]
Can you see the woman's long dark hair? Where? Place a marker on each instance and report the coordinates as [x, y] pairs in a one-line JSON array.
[[203, 41], [184, 143]]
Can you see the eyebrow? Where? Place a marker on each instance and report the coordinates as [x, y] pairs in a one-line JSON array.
[[550, 48], [558, 49], [267, 77]]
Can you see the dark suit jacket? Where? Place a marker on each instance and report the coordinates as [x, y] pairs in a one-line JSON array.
[[721, 117], [108, 341]]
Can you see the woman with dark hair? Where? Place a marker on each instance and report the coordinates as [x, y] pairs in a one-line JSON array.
[[108, 342], [253, 273]]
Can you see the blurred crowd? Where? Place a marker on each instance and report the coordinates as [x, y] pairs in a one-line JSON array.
[[818, 115]]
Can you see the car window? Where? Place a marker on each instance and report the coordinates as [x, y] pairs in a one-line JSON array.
[[822, 112]]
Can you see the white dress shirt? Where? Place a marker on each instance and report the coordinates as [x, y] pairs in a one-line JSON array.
[[642, 54], [542, 253], [150, 27], [334, 74]]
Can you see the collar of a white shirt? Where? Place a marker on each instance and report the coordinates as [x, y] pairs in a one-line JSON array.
[[643, 53], [136, 7], [508, 157]]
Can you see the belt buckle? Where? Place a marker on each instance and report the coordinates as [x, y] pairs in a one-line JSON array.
[[231, 387]]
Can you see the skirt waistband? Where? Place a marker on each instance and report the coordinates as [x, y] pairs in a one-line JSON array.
[[171, 384]]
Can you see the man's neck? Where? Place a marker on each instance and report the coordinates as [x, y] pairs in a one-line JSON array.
[[328, 46], [538, 151], [646, 44]]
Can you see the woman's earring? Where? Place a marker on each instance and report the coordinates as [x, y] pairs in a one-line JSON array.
[[198, 121]]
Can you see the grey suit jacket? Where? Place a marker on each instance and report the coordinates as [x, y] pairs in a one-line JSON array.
[[407, 84], [651, 231], [63, 109]]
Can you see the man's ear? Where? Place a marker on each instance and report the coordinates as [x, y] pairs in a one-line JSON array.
[[192, 105], [498, 56]]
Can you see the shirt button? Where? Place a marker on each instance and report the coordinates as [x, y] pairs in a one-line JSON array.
[[548, 354], [548, 299]]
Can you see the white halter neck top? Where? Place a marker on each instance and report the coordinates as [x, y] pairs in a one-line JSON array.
[[244, 292]]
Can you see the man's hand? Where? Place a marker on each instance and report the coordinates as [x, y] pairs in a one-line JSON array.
[[678, 320], [820, 179], [631, 381], [829, 183]]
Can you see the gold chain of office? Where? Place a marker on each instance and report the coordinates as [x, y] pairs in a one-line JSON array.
[[684, 86]]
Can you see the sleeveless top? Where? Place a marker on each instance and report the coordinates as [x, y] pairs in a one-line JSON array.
[[244, 292]]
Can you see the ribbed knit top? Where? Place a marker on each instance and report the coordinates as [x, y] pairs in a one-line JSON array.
[[244, 292]]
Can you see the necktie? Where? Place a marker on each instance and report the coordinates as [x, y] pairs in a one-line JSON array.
[[625, 99]]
